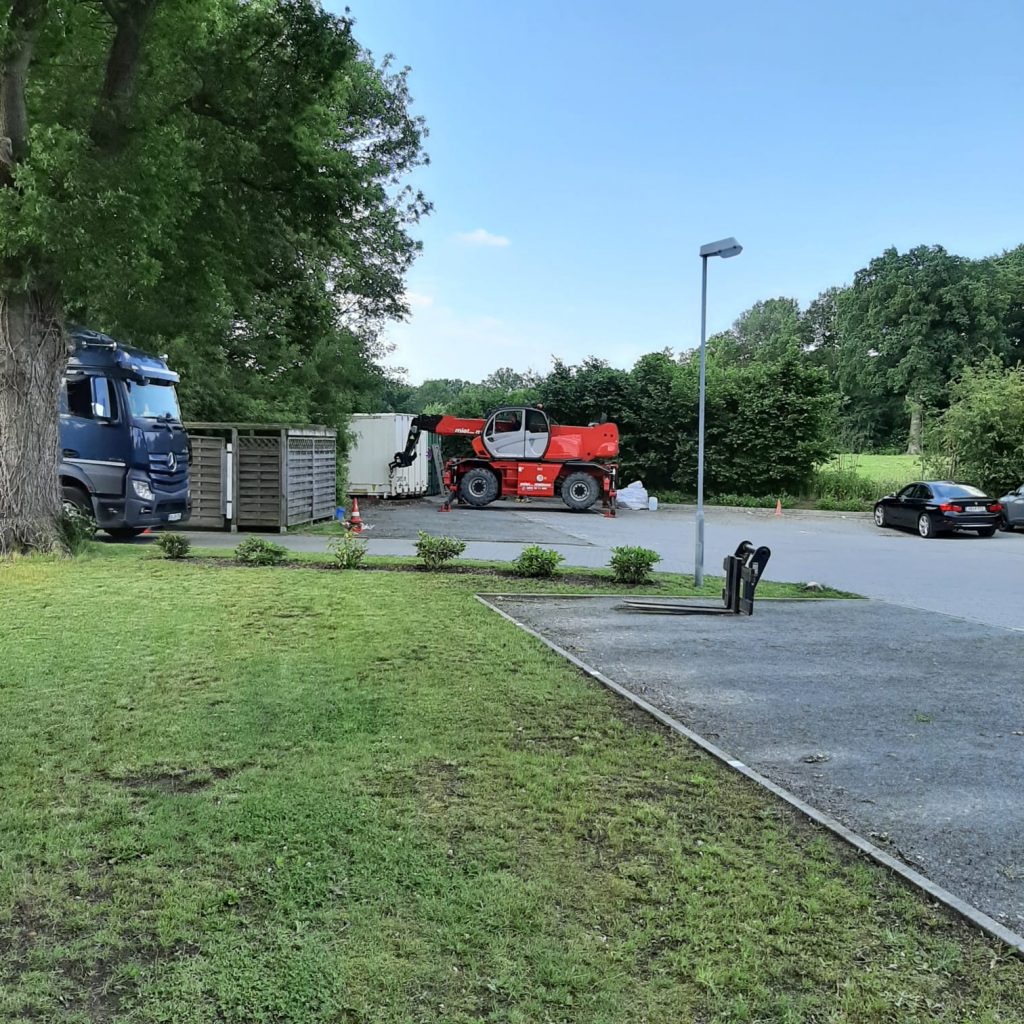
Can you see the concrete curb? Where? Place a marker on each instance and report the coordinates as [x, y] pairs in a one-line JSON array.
[[960, 907]]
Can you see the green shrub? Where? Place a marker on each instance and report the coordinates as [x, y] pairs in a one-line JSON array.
[[77, 529], [348, 550], [535, 562], [174, 545], [435, 551], [257, 551], [633, 565]]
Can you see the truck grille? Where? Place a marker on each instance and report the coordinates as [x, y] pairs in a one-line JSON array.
[[164, 477]]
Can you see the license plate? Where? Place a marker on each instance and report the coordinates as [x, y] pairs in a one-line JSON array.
[[975, 508], [174, 517]]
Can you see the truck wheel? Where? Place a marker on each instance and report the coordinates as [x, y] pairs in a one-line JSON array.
[[478, 487], [74, 499], [580, 490], [76, 502]]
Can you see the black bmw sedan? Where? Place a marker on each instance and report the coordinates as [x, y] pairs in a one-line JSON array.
[[939, 506]]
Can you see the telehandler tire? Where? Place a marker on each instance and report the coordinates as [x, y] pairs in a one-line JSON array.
[[478, 487], [580, 490]]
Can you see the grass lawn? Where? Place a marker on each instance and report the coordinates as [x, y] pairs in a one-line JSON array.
[[884, 468], [287, 795]]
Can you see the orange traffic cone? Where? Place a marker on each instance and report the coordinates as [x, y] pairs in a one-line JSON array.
[[355, 521], [778, 506]]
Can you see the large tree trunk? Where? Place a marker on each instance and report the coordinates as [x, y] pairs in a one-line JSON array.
[[32, 345], [916, 429], [33, 352]]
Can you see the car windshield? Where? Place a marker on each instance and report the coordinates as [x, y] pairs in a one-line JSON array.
[[957, 491], [153, 401]]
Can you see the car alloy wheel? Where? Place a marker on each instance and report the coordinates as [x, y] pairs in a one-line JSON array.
[[924, 526], [880, 515]]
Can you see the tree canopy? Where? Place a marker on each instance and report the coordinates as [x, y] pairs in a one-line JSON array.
[[217, 178]]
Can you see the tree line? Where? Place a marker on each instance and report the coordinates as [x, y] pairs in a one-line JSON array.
[[890, 362]]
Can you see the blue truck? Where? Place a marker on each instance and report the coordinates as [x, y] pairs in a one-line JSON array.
[[124, 450]]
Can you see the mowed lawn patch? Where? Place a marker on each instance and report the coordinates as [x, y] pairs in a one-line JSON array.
[[282, 795], [884, 468]]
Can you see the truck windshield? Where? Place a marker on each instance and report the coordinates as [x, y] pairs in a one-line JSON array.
[[153, 401]]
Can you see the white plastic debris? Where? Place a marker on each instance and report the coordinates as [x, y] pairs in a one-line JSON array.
[[633, 495]]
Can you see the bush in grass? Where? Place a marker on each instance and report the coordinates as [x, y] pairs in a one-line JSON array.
[[433, 552], [633, 565], [77, 529], [257, 551], [535, 562], [174, 545], [348, 550]]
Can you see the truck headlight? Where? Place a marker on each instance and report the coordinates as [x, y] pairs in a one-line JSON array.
[[142, 490]]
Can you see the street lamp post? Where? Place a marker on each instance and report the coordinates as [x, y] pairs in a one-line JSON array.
[[725, 248]]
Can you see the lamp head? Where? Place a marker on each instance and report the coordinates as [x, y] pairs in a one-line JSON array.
[[725, 248]]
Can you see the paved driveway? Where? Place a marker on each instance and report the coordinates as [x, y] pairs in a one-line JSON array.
[[977, 578], [906, 726]]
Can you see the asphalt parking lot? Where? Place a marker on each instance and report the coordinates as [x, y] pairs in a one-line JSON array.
[[905, 726]]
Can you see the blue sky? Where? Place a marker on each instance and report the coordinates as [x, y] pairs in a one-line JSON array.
[[581, 152]]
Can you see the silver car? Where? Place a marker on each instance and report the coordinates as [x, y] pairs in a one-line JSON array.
[[1013, 510]]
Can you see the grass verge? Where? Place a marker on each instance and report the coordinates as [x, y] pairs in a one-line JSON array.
[[265, 795], [477, 575]]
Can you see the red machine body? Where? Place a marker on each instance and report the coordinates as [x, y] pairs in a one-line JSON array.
[[519, 452]]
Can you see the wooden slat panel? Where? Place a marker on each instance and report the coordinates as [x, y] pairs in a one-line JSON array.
[[259, 481], [207, 482]]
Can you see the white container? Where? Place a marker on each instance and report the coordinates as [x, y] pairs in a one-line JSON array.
[[376, 437], [652, 503]]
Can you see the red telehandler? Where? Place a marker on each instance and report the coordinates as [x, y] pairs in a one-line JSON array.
[[519, 452]]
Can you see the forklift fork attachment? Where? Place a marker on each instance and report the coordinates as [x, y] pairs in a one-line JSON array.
[[743, 571]]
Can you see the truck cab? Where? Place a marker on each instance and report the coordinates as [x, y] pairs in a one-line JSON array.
[[124, 451]]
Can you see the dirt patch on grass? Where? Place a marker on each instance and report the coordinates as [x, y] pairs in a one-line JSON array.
[[99, 995], [440, 782], [432, 781], [175, 780]]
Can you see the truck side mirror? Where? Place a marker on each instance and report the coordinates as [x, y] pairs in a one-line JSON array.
[[101, 405]]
